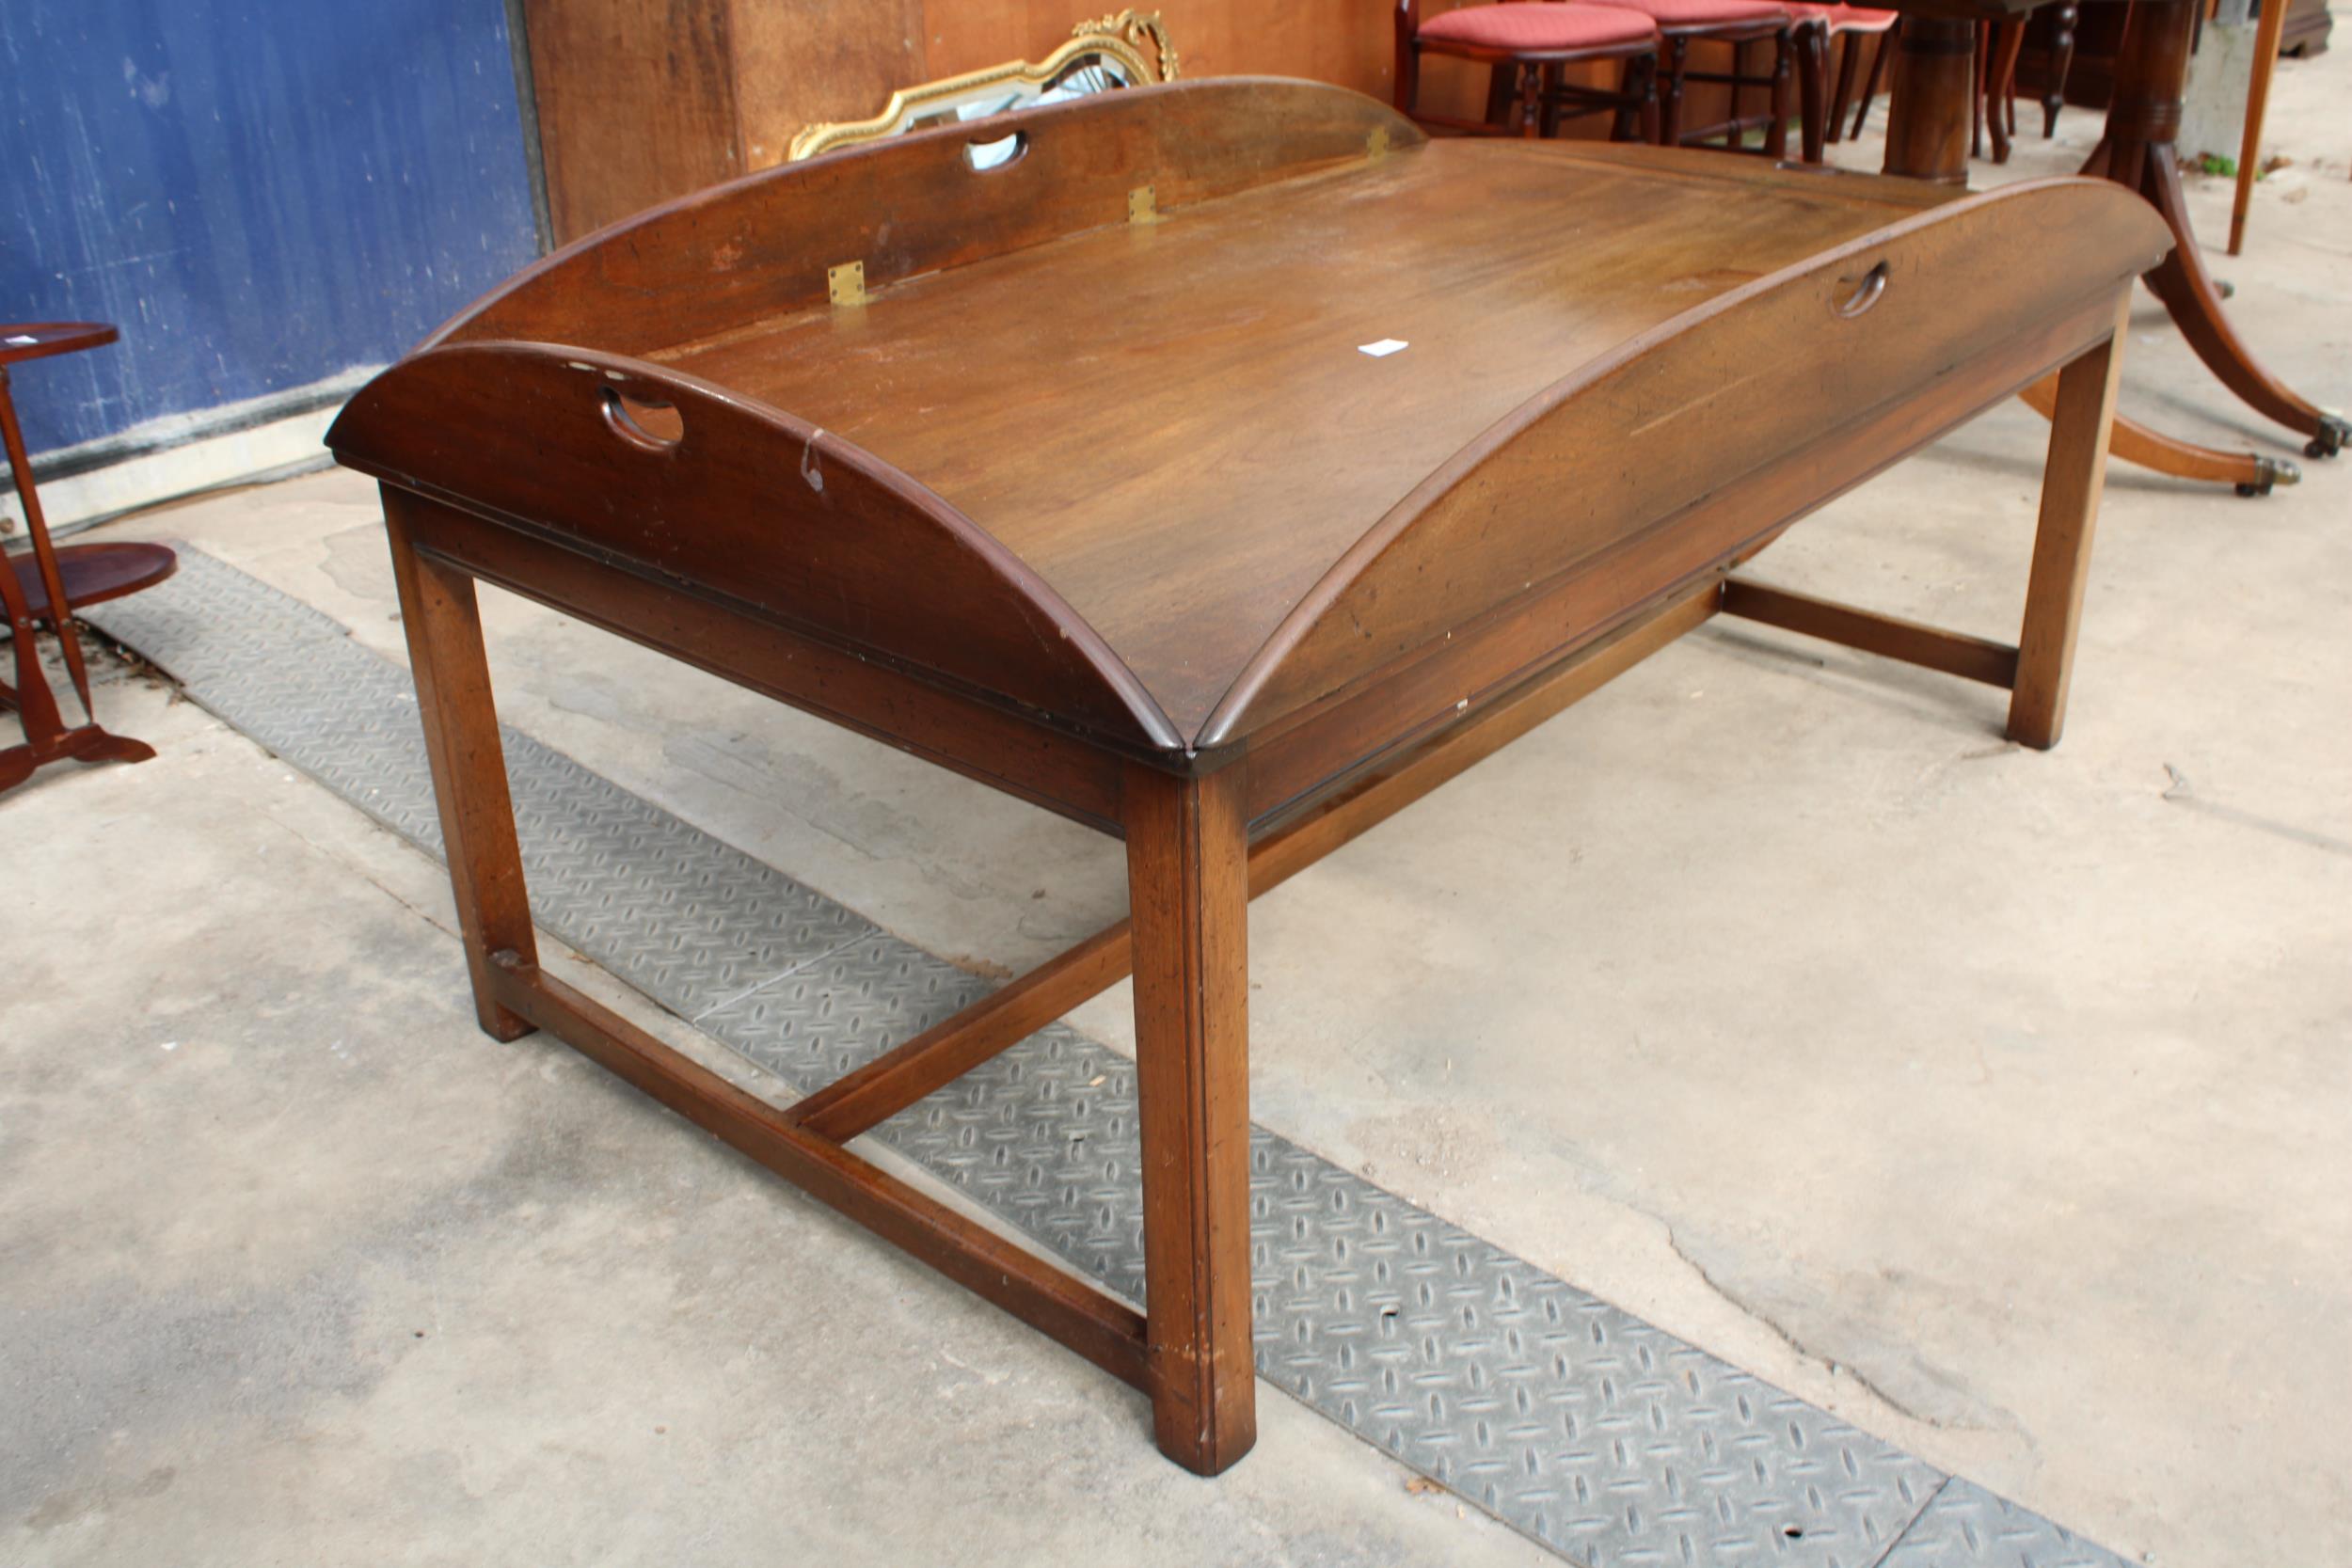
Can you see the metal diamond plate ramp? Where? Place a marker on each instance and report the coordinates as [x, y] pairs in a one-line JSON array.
[[1968, 1527], [1609, 1440]]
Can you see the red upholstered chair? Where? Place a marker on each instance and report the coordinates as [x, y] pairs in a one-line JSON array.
[[1816, 27], [1526, 47], [1737, 23]]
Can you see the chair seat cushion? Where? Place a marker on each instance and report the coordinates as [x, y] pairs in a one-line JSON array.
[[1545, 25], [1706, 13], [1844, 19]]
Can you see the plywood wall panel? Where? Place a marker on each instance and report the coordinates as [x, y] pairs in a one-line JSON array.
[[644, 100], [802, 61], [636, 104], [1347, 41], [959, 38]]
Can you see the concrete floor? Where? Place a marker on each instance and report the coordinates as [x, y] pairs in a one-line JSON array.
[[1997, 1101]]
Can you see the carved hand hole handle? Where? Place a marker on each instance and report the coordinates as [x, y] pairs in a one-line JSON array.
[[998, 153], [1873, 285], [655, 426]]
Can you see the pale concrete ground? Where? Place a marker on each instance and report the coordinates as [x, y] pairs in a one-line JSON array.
[[1999, 1101]]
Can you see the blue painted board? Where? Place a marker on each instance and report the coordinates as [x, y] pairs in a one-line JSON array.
[[259, 193]]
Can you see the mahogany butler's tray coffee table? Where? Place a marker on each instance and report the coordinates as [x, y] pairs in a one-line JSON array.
[[1072, 474]]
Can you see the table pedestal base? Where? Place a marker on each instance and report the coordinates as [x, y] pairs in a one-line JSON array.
[[1927, 139], [2192, 299], [87, 744], [1930, 88], [2250, 472], [44, 586]]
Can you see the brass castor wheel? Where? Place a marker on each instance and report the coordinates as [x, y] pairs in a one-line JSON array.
[[2334, 430], [2267, 472]]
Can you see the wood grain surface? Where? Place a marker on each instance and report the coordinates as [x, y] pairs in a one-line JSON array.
[[1212, 479]]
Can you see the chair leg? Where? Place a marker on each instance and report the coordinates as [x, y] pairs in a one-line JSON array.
[[1637, 99], [2249, 152], [1670, 94], [1407, 77], [1739, 71], [2062, 19], [1531, 109], [1976, 93], [2000, 85], [2009, 75], [1878, 73], [1501, 83], [1848, 58], [1553, 74], [1776, 134], [1812, 68]]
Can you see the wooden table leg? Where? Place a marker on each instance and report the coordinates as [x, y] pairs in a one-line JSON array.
[[1926, 121], [443, 622], [2137, 151], [1188, 895], [2070, 487]]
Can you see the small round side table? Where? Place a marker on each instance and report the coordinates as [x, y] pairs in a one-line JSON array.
[[45, 584]]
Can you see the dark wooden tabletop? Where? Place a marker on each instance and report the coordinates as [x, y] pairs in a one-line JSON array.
[[39, 340], [1200, 433], [1140, 476]]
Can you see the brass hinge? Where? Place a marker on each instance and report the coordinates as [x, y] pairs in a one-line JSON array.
[[845, 284], [1143, 205]]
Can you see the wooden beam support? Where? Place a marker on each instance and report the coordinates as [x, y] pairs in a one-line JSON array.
[[1295, 837], [871, 1094], [1975, 658], [1107, 1332]]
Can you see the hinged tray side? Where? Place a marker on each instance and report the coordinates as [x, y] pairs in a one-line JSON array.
[[667, 476], [1712, 431], [762, 245]]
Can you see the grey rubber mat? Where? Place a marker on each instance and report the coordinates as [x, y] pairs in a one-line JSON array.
[[1610, 1441]]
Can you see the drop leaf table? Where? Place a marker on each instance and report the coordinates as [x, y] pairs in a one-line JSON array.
[[1223, 465]]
